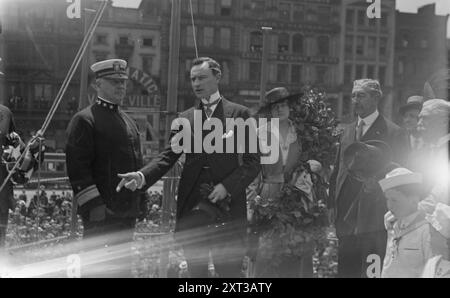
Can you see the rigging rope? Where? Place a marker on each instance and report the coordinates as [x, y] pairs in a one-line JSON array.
[[193, 29], [62, 90]]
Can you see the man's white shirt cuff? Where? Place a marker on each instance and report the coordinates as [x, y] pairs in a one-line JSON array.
[[142, 180]]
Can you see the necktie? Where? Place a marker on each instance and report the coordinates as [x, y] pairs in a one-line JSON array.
[[208, 106], [359, 130]]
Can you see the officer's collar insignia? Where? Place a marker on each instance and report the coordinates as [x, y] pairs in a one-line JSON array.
[[116, 66], [107, 105]]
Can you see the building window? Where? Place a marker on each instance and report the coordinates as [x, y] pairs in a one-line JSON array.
[[257, 7], [225, 9], [382, 74], [42, 95], [147, 62], [350, 17], [284, 10], [323, 43], [190, 36], [372, 22], [147, 42], [299, 13], [383, 46], [297, 44], [405, 40], [321, 74], [256, 41], [194, 6], [401, 67], [282, 73], [296, 74], [283, 43], [187, 71], [100, 56], [384, 19], [324, 14], [362, 16], [372, 47], [225, 80], [254, 71], [225, 38], [359, 72], [346, 105], [209, 7], [348, 78], [101, 39], [208, 36], [123, 40], [370, 71], [349, 45], [424, 43], [311, 16], [360, 45]]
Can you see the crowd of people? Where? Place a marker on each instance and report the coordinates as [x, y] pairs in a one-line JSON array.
[[48, 215]]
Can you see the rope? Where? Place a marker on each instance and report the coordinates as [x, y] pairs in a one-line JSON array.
[[74, 65], [193, 29], [62, 90], [38, 189]]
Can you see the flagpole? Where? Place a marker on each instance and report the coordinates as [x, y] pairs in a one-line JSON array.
[[264, 63], [83, 100]]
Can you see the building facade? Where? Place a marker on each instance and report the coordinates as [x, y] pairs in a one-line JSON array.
[[127, 34], [420, 51], [366, 51], [304, 45], [40, 43], [321, 43]]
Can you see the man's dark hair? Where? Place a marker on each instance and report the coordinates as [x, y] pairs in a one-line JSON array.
[[213, 64]]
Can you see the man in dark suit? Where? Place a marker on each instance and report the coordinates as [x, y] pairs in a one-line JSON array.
[[215, 221], [359, 224]]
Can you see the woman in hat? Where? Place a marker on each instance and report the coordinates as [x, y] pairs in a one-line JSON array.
[[275, 175]]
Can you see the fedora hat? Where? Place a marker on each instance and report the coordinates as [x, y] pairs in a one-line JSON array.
[[365, 160], [413, 102], [274, 96]]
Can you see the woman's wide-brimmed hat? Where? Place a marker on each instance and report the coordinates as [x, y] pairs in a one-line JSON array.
[[367, 159], [276, 95]]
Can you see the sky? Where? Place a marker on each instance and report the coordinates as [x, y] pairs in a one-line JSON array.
[[442, 6]]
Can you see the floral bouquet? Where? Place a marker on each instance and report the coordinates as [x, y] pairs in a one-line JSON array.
[[290, 222]]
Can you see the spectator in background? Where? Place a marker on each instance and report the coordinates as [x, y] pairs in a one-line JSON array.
[[410, 118], [53, 197], [23, 196]]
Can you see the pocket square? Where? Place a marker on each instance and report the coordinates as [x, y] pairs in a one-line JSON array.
[[228, 134]]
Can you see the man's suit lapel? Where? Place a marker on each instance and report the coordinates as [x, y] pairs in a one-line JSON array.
[[376, 131], [348, 138]]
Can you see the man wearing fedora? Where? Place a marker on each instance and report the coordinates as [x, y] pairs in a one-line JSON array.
[[211, 202], [104, 141], [410, 117], [360, 236]]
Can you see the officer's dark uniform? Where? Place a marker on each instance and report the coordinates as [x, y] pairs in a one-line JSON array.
[[102, 142]]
